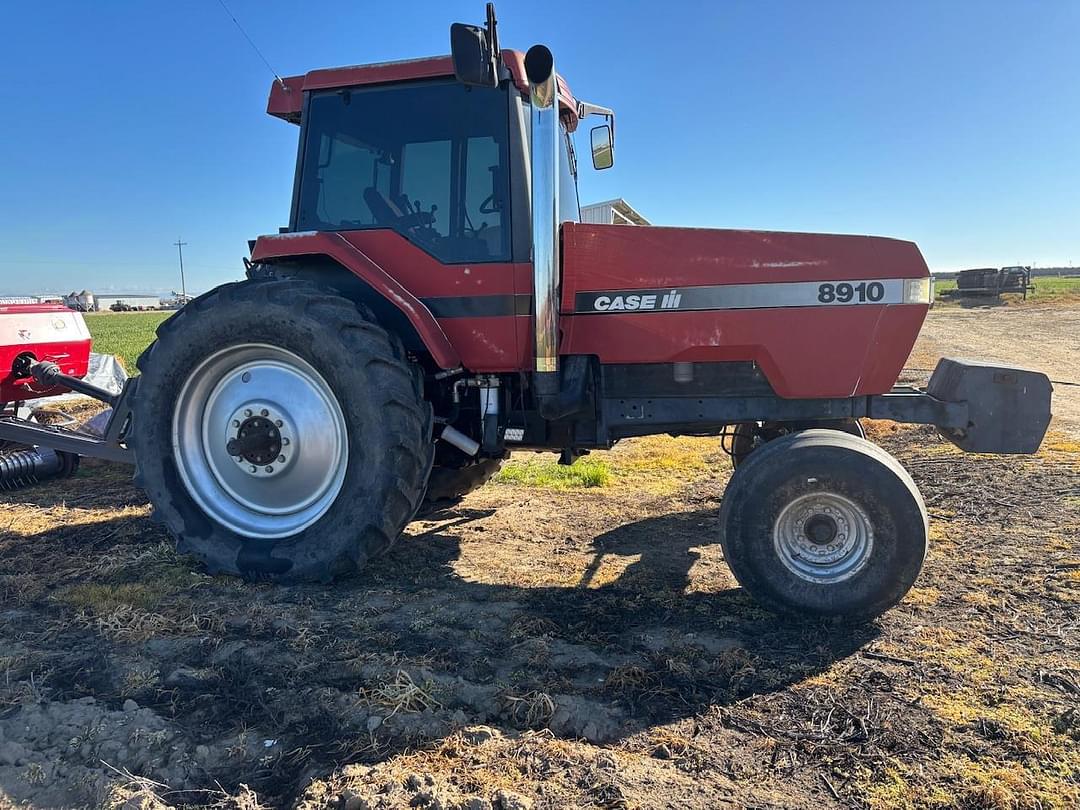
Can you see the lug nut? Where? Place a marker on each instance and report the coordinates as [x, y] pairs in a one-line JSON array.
[[236, 423], [264, 412], [278, 422], [269, 469], [247, 412], [284, 440], [253, 468], [281, 459]]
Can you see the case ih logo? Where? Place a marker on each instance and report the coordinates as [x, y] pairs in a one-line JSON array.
[[609, 303]]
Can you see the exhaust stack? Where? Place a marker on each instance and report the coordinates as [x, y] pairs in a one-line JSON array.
[[544, 94]]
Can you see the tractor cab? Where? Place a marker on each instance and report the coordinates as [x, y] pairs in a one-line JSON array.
[[411, 148], [430, 160]]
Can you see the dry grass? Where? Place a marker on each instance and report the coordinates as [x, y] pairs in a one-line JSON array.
[[128, 624], [967, 781], [532, 710], [400, 694], [129, 791], [662, 465], [1057, 442]]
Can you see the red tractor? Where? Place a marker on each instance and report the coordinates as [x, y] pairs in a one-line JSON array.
[[435, 303]]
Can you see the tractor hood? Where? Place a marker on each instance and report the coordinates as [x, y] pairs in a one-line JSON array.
[[785, 300], [613, 257]]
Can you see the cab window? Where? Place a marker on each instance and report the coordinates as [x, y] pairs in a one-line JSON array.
[[426, 160]]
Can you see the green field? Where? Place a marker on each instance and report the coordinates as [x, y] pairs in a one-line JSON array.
[[124, 334], [1048, 289]]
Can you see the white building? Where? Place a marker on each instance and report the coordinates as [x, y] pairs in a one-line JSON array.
[[612, 212], [103, 303], [32, 299]]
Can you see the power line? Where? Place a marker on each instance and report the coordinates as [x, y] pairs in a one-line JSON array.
[[183, 284], [254, 47]]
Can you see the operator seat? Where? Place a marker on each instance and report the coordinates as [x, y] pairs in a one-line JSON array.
[[492, 237], [385, 211]]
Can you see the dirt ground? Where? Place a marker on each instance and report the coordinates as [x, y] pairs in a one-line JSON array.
[[554, 648]]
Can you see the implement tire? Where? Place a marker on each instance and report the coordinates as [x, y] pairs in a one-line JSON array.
[[822, 523], [280, 432]]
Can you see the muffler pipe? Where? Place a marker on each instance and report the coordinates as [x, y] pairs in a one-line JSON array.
[[465, 444], [544, 95]]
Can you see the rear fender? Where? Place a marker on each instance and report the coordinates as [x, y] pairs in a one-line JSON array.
[[333, 246]]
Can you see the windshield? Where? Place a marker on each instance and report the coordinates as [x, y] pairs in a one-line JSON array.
[[426, 160]]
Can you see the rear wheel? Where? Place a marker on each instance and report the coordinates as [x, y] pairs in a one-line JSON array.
[[823, 523], [448, 485], [280, 432]]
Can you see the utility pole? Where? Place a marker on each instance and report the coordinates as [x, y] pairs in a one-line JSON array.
[[183, 284]]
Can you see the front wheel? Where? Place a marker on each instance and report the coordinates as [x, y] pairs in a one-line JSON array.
[[279, 432], [823, 523], [749, 436]]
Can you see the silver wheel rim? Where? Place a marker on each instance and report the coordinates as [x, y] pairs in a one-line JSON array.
[[234, 409], [823, 537]]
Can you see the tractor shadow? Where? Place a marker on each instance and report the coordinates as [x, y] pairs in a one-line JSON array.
[[664, 550], [641, 648], [611, 655]]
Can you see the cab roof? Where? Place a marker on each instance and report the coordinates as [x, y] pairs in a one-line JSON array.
[[287, 96]]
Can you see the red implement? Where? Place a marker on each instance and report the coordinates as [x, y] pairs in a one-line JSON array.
[[33, 332]]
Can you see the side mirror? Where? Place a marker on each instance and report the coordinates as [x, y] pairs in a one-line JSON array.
[[603, 150], [474, 59]]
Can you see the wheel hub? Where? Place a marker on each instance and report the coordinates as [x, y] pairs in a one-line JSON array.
[[821, 530], [260, 441], [823, 537]]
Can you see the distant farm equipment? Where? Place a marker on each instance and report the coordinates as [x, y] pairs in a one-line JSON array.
[[991, 282]]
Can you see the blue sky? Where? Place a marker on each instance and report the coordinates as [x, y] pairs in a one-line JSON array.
[[955, 124]]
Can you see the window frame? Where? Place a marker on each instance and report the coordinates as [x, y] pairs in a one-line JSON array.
[[571, 159], [509, 146]]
